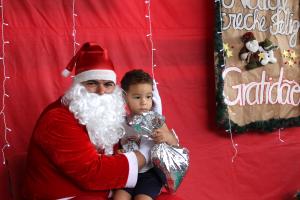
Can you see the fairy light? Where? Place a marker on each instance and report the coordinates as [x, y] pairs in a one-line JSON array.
[[153, 49], [234, 145], [5, 77], [279, 135], [150, 36], [74, 31], [220, 14]]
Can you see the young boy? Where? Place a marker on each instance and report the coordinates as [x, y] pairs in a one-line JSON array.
[[138, 86]]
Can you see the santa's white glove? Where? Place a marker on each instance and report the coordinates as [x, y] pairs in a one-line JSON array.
[[145, 148], [157, 107]]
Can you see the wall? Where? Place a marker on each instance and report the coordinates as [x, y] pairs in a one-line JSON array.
[[41, 45]]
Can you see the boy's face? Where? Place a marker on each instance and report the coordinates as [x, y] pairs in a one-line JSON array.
[[139, 98]]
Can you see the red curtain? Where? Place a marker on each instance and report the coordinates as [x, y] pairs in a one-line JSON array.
[[39, 32]]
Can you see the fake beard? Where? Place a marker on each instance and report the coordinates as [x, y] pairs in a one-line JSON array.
[[102, 115]]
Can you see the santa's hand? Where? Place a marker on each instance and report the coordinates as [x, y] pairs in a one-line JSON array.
[[136, 138], [157, 107], [145, 148]]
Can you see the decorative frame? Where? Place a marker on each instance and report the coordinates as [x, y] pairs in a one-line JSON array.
[[254, 104]]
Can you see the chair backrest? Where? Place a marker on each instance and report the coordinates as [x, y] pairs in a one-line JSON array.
[[16, 168]]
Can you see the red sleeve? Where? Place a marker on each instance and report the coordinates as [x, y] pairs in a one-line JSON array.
[[67, 145]]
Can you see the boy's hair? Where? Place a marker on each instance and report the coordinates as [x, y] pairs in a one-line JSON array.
[[135, 76]]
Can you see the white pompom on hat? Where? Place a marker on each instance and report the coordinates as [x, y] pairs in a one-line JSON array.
[[91, 62]]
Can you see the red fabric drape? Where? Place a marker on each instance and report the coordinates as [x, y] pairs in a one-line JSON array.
[[41, 45]]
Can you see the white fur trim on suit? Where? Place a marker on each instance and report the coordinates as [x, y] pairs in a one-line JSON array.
[[133, 169], [102, 74]]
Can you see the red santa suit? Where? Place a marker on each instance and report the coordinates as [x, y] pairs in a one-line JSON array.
[[62, 161]]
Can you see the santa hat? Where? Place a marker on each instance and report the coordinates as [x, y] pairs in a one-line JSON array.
[[248, 37], [91, 62]]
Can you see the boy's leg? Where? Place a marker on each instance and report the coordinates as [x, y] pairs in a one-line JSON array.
[[142, 197], [149, 185], [121, 195]]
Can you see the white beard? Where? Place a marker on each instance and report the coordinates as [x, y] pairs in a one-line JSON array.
[[102, 115]]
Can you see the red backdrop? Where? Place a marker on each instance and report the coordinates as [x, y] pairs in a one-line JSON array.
[[41, 44]]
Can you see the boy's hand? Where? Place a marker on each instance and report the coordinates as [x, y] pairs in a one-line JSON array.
[[164, 135]]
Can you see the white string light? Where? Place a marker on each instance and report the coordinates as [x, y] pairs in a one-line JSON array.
[[234, 145], [74, 31], [279, 135], [5, 77], [221, 14], [150, 35]]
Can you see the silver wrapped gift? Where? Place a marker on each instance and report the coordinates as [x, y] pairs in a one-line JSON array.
[[131, 140], [171, 163], [130, 145], [146, 122]]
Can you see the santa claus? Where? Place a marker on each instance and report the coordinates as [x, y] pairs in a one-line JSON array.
[[71, 152]]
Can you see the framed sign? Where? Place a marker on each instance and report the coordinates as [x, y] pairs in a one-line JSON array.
[[257, 64]]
